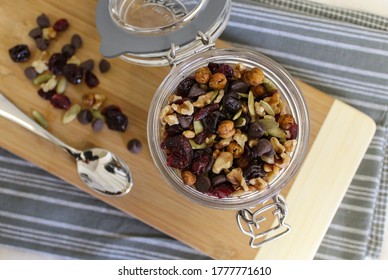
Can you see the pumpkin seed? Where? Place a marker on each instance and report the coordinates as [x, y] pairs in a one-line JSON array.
[[277, 132], [251, 104], [240, 122], [267, 108], [61, 85], [71, 114], [237, 115], [196, 146], [243, 95], [198, 127], [269, 124], [42, 78], [269, 85], [40, 119], [97, 115]]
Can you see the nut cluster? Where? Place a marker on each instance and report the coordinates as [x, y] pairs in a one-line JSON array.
[[227, 129]]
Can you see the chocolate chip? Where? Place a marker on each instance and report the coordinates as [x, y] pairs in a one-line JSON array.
[[85, 116], [203, 183], [134, 146], [87, 65], [76, 41], [104, 65], [68, 50], [35, 33], [218, 179], [98, 124], [43, 21], [30, 73], [41, 43]]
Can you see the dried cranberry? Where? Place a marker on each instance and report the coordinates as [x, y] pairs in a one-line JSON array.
[[180, 152], [184, 86], [46, 95], [227, 70], [73, 73], [222, 190], [19, 53], [293, 131], [61, 25], [254, 170], [213, 67], [116, 120], [60, 101], [56, 63], [91, 80], [200, 163], [205, 111], [174, 130]]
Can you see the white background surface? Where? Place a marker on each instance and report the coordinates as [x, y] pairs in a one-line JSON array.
[[379, 7]]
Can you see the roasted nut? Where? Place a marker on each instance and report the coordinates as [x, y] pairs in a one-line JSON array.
[[186, 108], [188, 134], [216, 153], [235, 149], [290, 145], [283, 161], [223, 161], [238, 70], [254, 77], [205, 99], [235, 176], [272, 174], [165, 111], [39, 66], [49, 33], [226, 129], [258, 183], [267, 167], [286, 121], [218, 81], [49, 85], [174, 98], [223, 143], [279, 148], [202, 75], [188, 178], [88, 99], [258, 90], [98, 100], [240, 138]]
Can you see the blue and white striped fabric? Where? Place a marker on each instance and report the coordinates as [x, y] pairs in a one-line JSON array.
[[349, 61]]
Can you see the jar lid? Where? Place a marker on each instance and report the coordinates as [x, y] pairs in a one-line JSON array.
[[159, 32]]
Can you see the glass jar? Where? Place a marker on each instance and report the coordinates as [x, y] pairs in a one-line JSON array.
[[183, 38]]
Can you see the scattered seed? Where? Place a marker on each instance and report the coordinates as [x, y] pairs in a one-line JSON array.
[[40, 119], [104, 65], [134, 146], [61, 86], [76, 41], [97, 124], [85, 116], [42, 78], [71, 114], [267, 108], [30, 73], [43, 21]]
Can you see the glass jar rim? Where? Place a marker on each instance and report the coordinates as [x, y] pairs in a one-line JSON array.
[[288, 90]]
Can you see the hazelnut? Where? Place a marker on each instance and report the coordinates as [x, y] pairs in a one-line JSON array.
[[202, 75], [218, 81], [258, 90], [254, 77], [286, 121], [235, 149], [226, 129], [188, 178]]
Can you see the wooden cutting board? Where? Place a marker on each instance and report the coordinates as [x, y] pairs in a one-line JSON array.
[[336, 148]]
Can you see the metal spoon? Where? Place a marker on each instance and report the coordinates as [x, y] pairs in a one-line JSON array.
[[99, 169]]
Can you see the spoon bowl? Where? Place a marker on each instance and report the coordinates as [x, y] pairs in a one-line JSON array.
[[99, 169]]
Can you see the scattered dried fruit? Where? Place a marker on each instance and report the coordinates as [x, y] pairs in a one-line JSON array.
[[19, 53], [60, 101], [61, 25]]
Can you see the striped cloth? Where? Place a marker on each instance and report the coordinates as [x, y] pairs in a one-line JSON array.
[[341, 57]]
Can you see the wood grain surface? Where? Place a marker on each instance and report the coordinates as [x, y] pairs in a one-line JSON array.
[[213, 232]]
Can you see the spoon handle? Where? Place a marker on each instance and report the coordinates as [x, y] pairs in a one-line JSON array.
[[9, 111]]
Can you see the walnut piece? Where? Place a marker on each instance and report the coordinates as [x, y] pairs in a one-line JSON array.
[[186, 108], [235, 176], [171, 119], [272, 174], [205, 99], [258, 183], [223, 161], [202, 75], [283, 161], [279, 148], [290, 145], [240, 138], [235, 149], [286, 121]]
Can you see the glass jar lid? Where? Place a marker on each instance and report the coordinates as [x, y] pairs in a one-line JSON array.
[[147, 32]]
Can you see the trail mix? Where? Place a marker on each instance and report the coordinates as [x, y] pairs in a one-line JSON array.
[[227, 130], [53, 72]]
